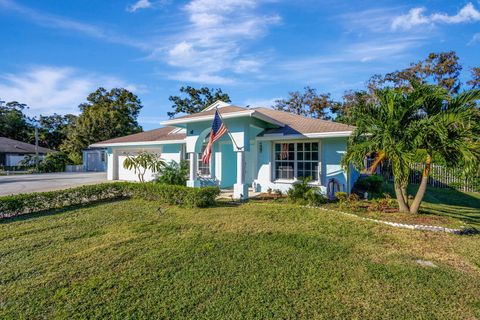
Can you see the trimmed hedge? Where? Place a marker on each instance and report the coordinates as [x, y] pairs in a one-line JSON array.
[[11, 206]]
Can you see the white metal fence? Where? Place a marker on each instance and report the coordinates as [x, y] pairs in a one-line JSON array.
[[440, 176]]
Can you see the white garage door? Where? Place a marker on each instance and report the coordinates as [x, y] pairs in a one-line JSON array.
[[130, 175]]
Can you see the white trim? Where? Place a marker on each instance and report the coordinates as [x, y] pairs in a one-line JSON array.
[[237, 114], [138, 143], [217, 104], [281, 136]]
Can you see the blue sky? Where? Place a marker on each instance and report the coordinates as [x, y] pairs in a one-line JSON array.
[[55, 52]]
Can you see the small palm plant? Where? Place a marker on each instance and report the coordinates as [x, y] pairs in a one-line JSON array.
[[142, 162]]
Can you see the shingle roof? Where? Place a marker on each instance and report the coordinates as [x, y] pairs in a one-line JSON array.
[[294, 124], [8, 145], [223, 110], [161, 134]]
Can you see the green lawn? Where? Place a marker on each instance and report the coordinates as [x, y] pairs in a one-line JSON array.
[[441, 207], [133, 259]]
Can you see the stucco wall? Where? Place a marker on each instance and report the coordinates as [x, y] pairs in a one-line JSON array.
[[116, 156]]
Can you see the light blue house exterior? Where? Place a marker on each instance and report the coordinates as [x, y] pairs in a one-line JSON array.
[[264, 149]]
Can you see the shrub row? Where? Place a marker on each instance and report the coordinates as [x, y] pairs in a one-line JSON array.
[[15, 205]]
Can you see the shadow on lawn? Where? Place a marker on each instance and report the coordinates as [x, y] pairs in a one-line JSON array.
[[52, 212], [449, 203]]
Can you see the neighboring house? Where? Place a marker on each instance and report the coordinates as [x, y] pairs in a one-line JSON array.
[[13, 151], [258, 158], [94, 159]]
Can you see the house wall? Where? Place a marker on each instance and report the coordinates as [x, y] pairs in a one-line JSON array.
[[92, 160], [331, 153], [12, 159], [117, 155]]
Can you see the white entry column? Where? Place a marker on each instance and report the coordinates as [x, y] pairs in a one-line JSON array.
[[192, 180], [240, 189]]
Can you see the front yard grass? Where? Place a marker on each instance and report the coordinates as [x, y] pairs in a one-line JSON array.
[[135, 259], [441, 207]]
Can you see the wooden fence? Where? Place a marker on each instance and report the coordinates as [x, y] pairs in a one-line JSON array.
[[440, 177]]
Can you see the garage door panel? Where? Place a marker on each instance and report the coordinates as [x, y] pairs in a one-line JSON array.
[[130, 175]]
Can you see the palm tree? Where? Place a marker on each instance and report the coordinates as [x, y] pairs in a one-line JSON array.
[[398, 124], [447, 128], [381, 130]]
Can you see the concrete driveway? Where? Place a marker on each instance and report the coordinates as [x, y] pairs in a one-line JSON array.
[[26, 183]]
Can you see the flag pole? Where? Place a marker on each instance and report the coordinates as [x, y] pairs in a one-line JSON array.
[[228, 131]]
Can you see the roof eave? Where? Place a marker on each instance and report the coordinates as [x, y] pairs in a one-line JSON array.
[[138, 143], [238, 114]]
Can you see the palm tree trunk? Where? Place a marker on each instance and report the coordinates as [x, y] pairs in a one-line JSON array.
[[405, 194], [378, 159], [423, 186], [402, 204]]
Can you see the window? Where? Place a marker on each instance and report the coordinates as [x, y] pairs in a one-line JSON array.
[[297, 160], [102, 156], [203, 169]]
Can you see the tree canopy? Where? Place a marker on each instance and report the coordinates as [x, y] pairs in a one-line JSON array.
[[14, 124], [105, 115], [308, 103], [194, 100]]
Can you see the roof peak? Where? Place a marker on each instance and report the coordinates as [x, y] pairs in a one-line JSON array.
[[217, 105]]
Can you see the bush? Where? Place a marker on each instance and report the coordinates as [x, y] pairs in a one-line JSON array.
[[314, 198], [301, 192], [174, 173], [15, 205], [371, 184], [341, 196], [54, 162]]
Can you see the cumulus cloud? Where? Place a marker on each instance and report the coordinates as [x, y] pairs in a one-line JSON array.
[[211, 44], [416, 17], [49, 89], [140, 4]]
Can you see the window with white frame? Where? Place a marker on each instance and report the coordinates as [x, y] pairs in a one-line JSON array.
[[297, 160], [203, 169]]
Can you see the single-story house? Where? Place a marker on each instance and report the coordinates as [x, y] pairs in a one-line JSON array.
[[94, 159], [14, 151], [265, 149]]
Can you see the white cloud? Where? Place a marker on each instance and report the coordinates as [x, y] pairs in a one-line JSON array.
[[416, 17], [58, 22], [475, 39], [212, 42], [140, 4], [47, 89]]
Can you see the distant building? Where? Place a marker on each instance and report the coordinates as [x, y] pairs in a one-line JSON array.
[[13, 151], [95, 159]]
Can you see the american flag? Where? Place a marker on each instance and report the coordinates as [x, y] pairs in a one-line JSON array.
[[218, 130], [284, 151]]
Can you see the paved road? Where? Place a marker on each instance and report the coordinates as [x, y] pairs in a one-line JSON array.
[[26, 183]]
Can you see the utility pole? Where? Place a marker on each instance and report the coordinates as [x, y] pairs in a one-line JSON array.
[[36, 149]]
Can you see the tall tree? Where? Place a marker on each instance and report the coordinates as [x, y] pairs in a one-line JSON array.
[[442, 69], [14, 124], [343, 111], [308, 103], [105, 115], [53, 129], [195, 100], [474, 82]]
